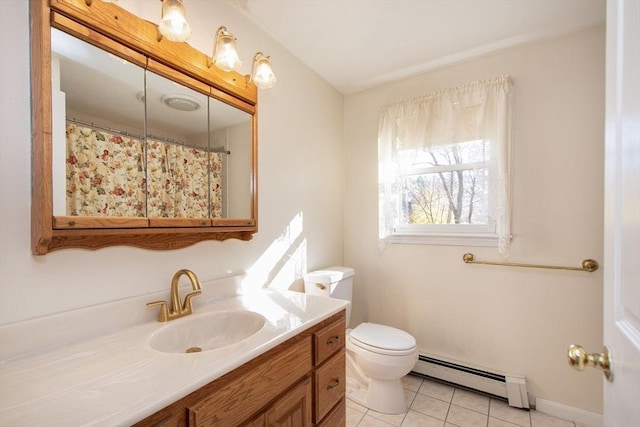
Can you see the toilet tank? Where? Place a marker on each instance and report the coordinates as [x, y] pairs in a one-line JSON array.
[[334, 282]]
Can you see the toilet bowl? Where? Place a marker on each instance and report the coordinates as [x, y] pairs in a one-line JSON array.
[[377, 356]]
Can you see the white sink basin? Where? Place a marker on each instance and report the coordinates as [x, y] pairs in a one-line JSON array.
[[207, 331]]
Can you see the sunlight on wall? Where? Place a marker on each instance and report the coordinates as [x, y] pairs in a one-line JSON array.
[[284, 261], [294, 268]]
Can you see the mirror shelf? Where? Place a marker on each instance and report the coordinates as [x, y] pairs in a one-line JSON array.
[[124, 35]]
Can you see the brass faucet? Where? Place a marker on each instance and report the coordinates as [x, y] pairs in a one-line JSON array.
[[176, 309]]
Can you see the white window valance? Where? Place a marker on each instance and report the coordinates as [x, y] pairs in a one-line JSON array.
[[476, 111]]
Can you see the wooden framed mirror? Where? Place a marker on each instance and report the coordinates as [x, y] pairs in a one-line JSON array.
[[135, 140]]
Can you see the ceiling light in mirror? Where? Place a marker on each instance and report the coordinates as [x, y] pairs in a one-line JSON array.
[[174, 25], [180, 102]]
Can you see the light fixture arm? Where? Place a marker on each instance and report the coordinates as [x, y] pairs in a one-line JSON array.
[[253, 66]]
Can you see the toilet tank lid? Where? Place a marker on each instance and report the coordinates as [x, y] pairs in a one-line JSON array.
[[329, 275]]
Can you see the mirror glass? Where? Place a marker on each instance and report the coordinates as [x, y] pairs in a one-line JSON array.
[[128, 142], [231, 167], [97, 126], [178, 155]]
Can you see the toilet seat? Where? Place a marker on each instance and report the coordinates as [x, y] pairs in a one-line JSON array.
[[382, 339]]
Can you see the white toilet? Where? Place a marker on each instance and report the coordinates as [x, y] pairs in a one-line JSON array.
[[378, 356]]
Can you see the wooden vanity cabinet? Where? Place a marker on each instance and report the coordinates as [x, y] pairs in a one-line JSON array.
[[299, 383]]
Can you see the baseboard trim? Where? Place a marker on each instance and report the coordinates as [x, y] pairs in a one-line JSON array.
[[577, 415]]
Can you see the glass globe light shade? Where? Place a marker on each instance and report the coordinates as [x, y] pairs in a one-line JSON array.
[[263, 76], [226, 55], [174, 25]]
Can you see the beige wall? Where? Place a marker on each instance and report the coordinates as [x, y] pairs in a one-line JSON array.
[[516, 320], [300, 137]]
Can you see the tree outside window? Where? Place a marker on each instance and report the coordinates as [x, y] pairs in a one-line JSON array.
[[445, 185]]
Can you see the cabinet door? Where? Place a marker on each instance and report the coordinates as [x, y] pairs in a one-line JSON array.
[[293, 409]]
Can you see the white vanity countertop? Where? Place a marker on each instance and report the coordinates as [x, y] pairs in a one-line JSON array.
[[118, 379]]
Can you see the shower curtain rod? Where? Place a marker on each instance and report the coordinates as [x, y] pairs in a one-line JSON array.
[[218, 150]]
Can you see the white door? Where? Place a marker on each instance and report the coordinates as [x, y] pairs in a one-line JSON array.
[[622, 214]]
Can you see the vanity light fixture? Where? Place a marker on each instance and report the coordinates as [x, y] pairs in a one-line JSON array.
[[261, 72], [174, 27], [225, 55], [173, 23]]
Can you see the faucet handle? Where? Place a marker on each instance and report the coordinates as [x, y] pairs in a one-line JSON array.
[[164, 311], [186, 305]]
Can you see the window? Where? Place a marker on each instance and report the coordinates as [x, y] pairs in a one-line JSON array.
[[445, 185], [444, 168]]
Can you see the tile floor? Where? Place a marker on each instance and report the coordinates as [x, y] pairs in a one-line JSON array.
[[434, 404]]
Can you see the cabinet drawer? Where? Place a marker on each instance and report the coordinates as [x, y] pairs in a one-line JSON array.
[[257, 383], [328, 341], [337, 417], [164, 418], [329, 385]]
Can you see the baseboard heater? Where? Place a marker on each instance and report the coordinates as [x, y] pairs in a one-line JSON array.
[[511, 387]]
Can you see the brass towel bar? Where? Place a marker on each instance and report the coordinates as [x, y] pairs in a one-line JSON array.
[[588, 265]]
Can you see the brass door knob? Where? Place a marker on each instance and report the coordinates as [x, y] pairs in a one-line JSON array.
[[578, 358]]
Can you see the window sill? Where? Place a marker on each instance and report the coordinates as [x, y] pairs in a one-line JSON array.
[[448, 239]]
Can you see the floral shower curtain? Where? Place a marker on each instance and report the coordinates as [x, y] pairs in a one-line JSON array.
[[106, 177]]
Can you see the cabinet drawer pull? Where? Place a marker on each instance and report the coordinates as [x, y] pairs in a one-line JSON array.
[[333, 384], [333, 340]]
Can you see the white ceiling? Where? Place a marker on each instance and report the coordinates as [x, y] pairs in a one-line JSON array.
[[357, 44]]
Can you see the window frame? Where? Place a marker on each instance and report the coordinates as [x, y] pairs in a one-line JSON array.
[[445, 234]]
